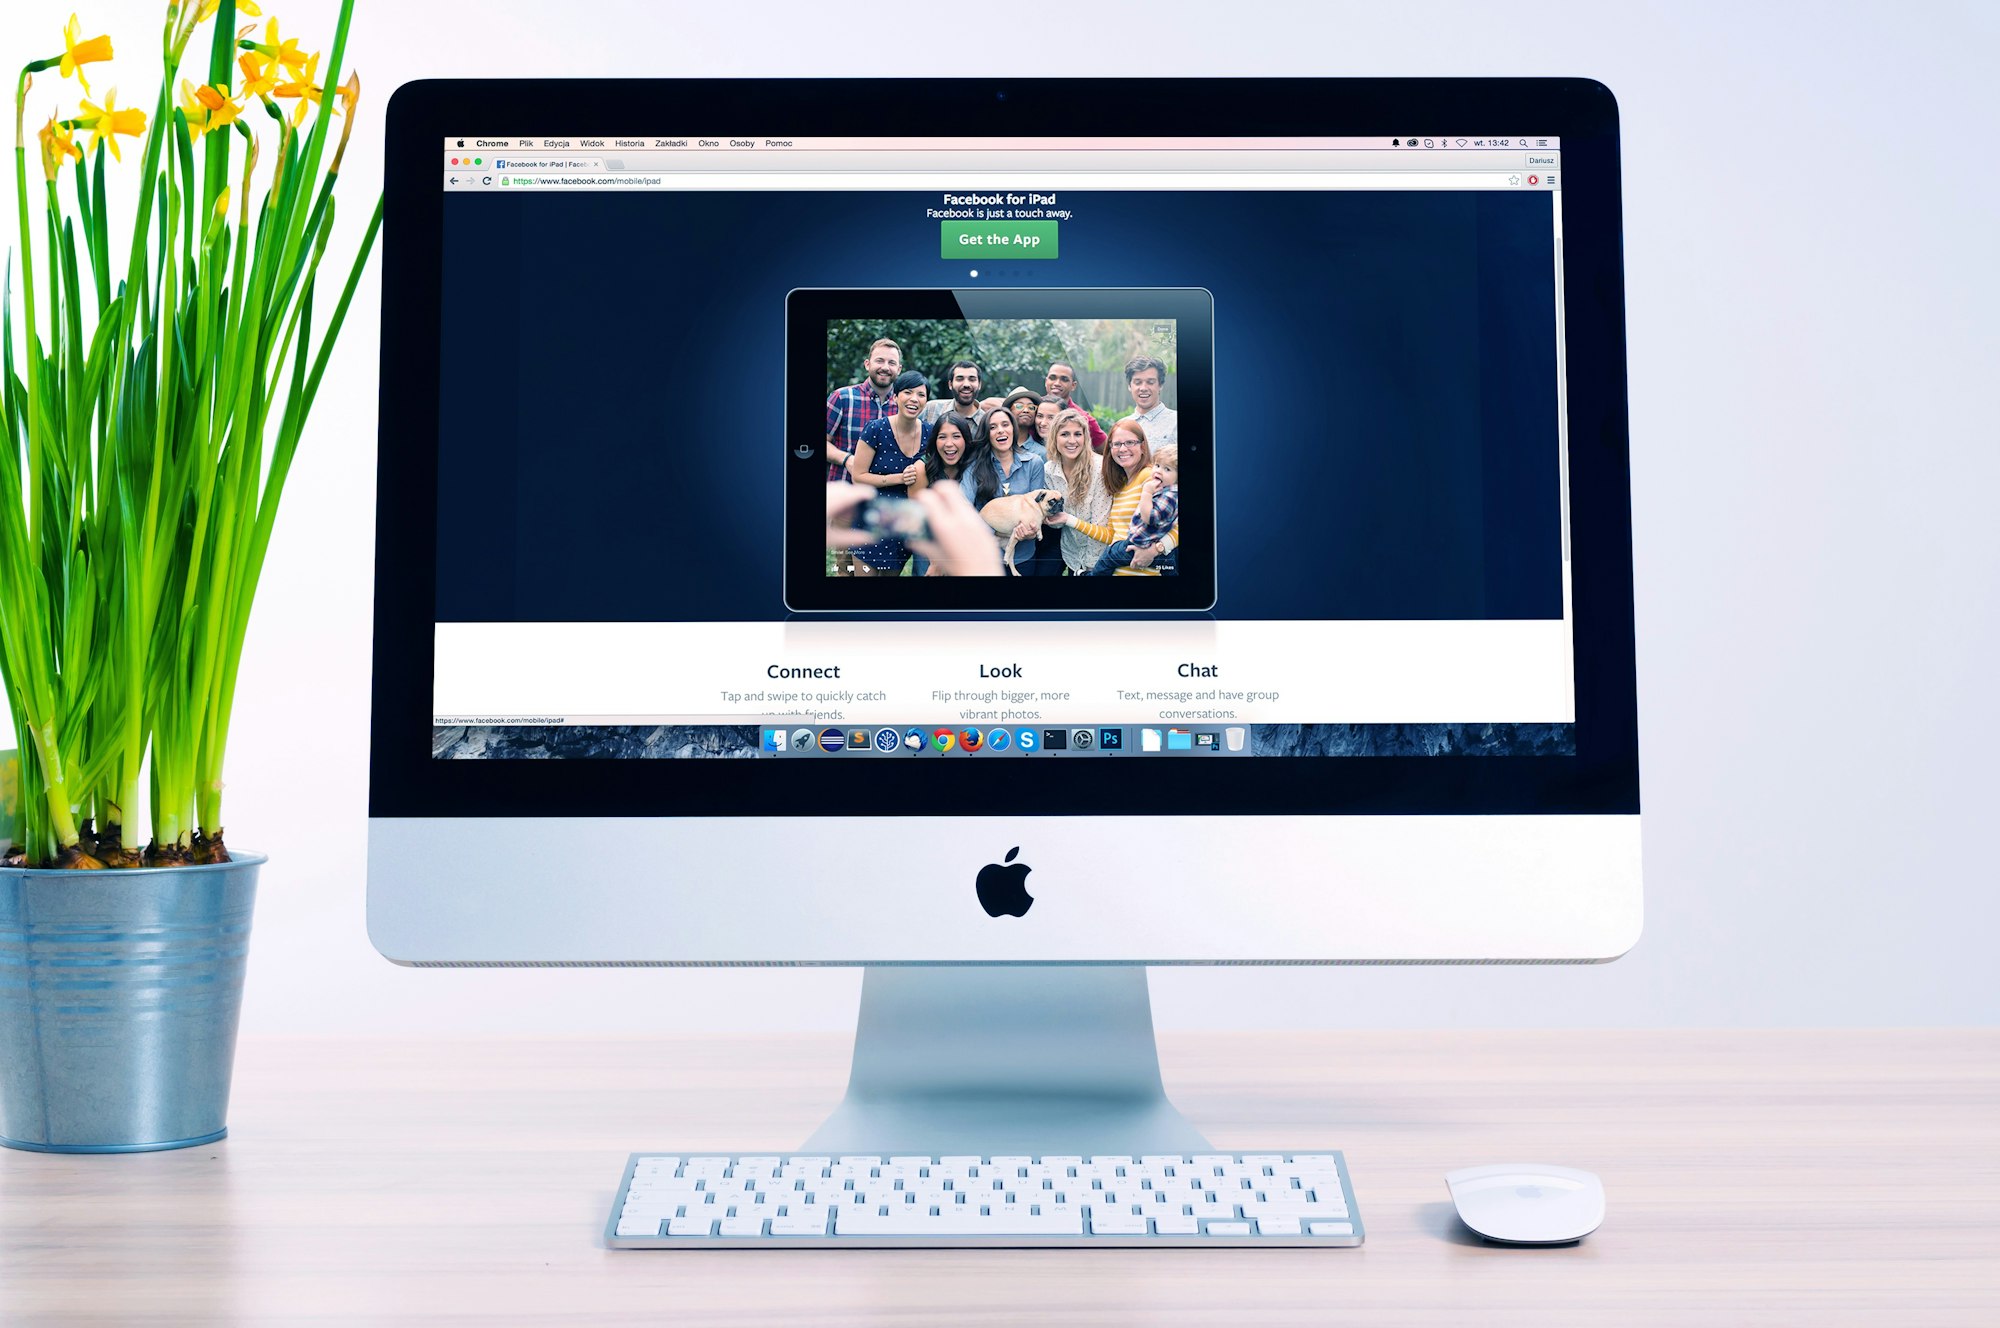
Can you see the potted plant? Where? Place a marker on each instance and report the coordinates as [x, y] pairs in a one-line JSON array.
[[153, 402]]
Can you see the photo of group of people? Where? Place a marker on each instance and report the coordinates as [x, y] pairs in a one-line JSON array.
[[1026, 448]]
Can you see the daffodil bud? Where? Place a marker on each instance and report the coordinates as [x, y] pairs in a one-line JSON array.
[[218, 219]]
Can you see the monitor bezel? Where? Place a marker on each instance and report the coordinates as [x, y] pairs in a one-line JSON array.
[[405, 780]]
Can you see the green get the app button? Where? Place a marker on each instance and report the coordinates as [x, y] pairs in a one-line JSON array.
[[996, 240]]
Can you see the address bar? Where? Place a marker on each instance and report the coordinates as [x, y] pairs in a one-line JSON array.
[[973, 182]]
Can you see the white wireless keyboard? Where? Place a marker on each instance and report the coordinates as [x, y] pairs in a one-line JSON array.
[[711, 1200]]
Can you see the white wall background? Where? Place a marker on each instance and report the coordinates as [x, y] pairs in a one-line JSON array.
[[1811, 219]]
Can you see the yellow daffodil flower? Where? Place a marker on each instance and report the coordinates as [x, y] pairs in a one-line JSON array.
[[107, 122], [303, 88], [57, 147], [206, 108], [286, 52], [77, 54], [208, 8], [258, 75]]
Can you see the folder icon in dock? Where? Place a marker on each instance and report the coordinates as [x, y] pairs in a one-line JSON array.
[[1180, 740]]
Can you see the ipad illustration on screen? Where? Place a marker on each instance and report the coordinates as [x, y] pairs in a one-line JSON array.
[[1078, 423]]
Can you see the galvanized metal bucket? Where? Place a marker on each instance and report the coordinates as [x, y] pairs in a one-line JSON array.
[[119, 996]]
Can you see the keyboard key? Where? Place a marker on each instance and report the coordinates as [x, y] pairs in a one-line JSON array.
[[1174, 1224], [1277, 1226], [1000, 1223], [800, 1224], [743, 1226], [1298, 1212], [632, 1226], [1228, 1228], [1330, 1228], [690, 1226], [1117, 1224]]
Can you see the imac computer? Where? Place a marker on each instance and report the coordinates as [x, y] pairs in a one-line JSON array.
[[1003, 534]]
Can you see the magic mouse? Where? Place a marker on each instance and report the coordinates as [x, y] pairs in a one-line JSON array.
[[1517, 1204]]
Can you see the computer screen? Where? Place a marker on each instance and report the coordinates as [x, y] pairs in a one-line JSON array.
[[1264, 440]]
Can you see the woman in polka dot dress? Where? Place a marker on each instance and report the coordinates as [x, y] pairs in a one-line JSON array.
[[890, 457]]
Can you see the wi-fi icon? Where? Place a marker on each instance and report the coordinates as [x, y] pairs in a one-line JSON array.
[[1461, 142]]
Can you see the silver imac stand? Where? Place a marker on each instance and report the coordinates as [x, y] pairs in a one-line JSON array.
[[984, 1059]]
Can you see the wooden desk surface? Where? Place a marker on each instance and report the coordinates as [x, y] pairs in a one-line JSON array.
[[1752, 1177]]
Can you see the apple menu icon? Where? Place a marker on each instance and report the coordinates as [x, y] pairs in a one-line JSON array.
[[1004, 888]]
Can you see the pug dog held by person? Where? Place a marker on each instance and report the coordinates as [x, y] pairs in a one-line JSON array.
[[1008, 515]]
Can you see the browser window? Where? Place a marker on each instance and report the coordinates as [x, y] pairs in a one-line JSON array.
[[1081, 448]]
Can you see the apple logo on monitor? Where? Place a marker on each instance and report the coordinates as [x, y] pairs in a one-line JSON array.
[[1004, 889]]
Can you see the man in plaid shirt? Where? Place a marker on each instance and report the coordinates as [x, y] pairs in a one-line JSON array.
[[851, 409]]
